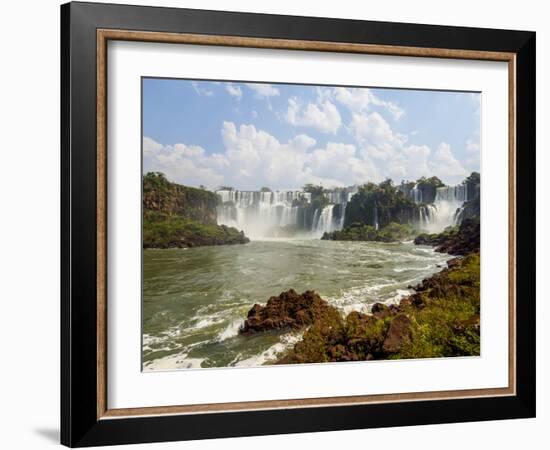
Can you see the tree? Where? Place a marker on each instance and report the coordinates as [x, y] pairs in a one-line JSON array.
[[314, 190], [433, 182], [474, 178], [156, 182]]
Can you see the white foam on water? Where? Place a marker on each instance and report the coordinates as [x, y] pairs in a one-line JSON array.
[[405, 269], [171, 362], [420, 249], [205, 322], [400, 294], [359, 307], [230, 331], [269, 355]]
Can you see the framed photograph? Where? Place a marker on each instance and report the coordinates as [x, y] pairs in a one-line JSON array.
[[276, 224]]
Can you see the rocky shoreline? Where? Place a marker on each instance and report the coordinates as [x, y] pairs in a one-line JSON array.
[[441, 319], [459, 240]]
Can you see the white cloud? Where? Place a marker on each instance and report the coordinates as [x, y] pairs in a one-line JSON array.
[[473, 155], [323, 117], [234, 91], [375, 135], [361, 100], [395, 158], [446, 166], [252, 158], [183, 164], [472, 146], [263, 90], [201, 91]]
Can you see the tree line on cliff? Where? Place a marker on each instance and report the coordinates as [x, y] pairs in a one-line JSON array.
[[176, 216]]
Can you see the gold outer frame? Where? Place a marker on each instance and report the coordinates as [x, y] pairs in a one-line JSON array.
[[104, 35]]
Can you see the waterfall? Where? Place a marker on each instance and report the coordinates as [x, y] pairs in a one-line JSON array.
[[267, 213], [451, 193], [256, 212], [445, 211], [342, 215], [324, 222], [416, 194], [259, 213]]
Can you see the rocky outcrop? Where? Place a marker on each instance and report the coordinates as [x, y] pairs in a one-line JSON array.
[[398, 333], [378, 205], [289, 310], [457, 241], [171, 199], [440, 319], [176, 216]]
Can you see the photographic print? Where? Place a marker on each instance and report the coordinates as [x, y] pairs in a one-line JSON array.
[[292, 224]]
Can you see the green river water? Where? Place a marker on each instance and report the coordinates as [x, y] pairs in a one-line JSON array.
[[194, 300]]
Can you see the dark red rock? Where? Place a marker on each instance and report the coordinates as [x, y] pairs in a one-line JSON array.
[[399, 331], [380, 311], [288, 310]]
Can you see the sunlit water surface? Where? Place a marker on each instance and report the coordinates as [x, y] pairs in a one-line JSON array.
[[194, 300]]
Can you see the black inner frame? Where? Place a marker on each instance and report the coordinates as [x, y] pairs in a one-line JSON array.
[[79, 423]]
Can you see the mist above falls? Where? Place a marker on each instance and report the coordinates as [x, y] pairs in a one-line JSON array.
[[266, 213]]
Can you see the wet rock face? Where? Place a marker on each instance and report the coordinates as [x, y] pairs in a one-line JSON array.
[[288, 310], [398, 333], [462, 241], [381, 311]]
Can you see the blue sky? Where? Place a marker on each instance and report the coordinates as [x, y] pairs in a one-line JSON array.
[[249, 135]]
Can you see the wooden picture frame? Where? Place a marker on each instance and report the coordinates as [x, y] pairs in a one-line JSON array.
[[86, 418]]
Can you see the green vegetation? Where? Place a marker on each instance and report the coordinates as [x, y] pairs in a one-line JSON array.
[[380, 204], [447, 324], [428, 187], [318, 199], [182, 216], [434, 182], [171, 199], [457, 240], [393, 232], [163, 231], [440, 319], [471, 207]]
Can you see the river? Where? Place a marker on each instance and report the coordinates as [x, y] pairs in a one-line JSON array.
[[194, 300]]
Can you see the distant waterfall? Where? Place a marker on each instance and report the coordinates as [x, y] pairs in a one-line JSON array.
[[457, 193], [266, 213], [325, 221], [445, 211], [258, 213], [416, 194], [441, 208], [342, 215]]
